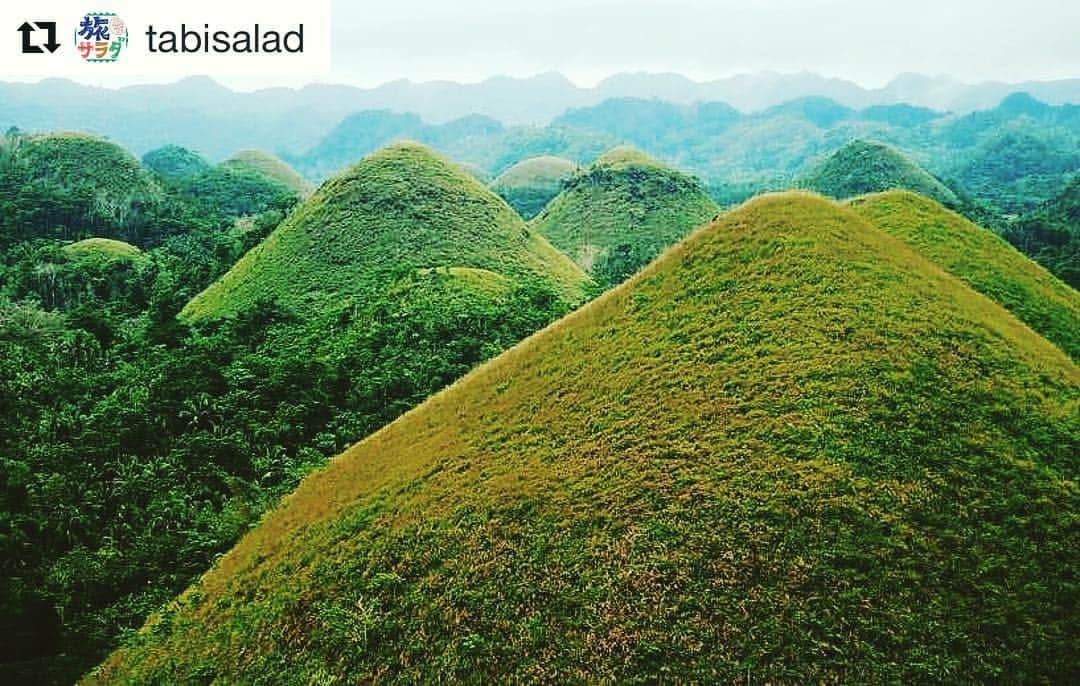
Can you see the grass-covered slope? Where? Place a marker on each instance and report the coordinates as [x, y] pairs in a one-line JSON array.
[[401, 208], [792, 450], [868, 167], [530, 184], [104, 249], [273, 167], [982, 259], [620, 212]]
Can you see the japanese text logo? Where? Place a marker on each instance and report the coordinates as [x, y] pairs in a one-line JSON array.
[[100, 37]]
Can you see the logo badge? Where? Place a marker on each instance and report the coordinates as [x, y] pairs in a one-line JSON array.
[[100, 37]]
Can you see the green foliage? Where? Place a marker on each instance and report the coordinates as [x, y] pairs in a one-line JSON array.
[[173, 161], [792, 450], [1051, 234], [867, 167], [618, 214], [72, 186]]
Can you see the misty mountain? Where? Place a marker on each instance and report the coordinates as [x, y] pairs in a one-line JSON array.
[[204, 116]]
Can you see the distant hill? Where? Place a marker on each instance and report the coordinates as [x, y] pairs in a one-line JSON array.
[[983, 260], [401, 208], [1017, 167], [530, 184], [868, 167], [69, 185], [203, 115], [791, 447], [1051, 234], [273, 167], [620, 212], [174, 162]]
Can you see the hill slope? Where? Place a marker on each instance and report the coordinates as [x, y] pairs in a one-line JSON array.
[[868, 167], [401, 208], [530, 184], [273, 167], [174, 162], [619, 213], [792, 448], [982, 259]]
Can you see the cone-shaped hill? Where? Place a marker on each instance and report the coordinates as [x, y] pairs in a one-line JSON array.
[[530, 184], [272, 166], [791, 446], [71, 185], [867, 167], [402, 208], [616, 215], [982, 259]]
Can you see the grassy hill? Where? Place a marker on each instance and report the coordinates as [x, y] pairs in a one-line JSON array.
[[401, 208], [273, 167], [869, 167], [791, 450], [104, 249], [529, 185], [983, 260], [70, 185], [616, 215]]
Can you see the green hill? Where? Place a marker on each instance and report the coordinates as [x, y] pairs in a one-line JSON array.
[[867, 167], [70, 185], [174, 162], [983, 260], [530, 184], [401, 208], [791, 450], [103, 248], [616, 215], [273, 167]]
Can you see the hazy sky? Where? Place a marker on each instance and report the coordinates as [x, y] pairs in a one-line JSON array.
[[868, 41]]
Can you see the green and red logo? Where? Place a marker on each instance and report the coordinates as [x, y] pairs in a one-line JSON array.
[[100, 37]]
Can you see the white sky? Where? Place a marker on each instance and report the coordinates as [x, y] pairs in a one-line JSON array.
[[868, 41]]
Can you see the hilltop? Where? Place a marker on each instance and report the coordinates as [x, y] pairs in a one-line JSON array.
[[273, 167], [868, 167], [401, 208], [103, 248], [71, 185], [985, 261], [867, 479], [619, 213], [530, 184]]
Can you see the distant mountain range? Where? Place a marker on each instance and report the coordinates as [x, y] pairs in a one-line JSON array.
[[203, 115]]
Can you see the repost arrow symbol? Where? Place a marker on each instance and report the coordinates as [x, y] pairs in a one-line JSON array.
[[51, 45], [26, 29]]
